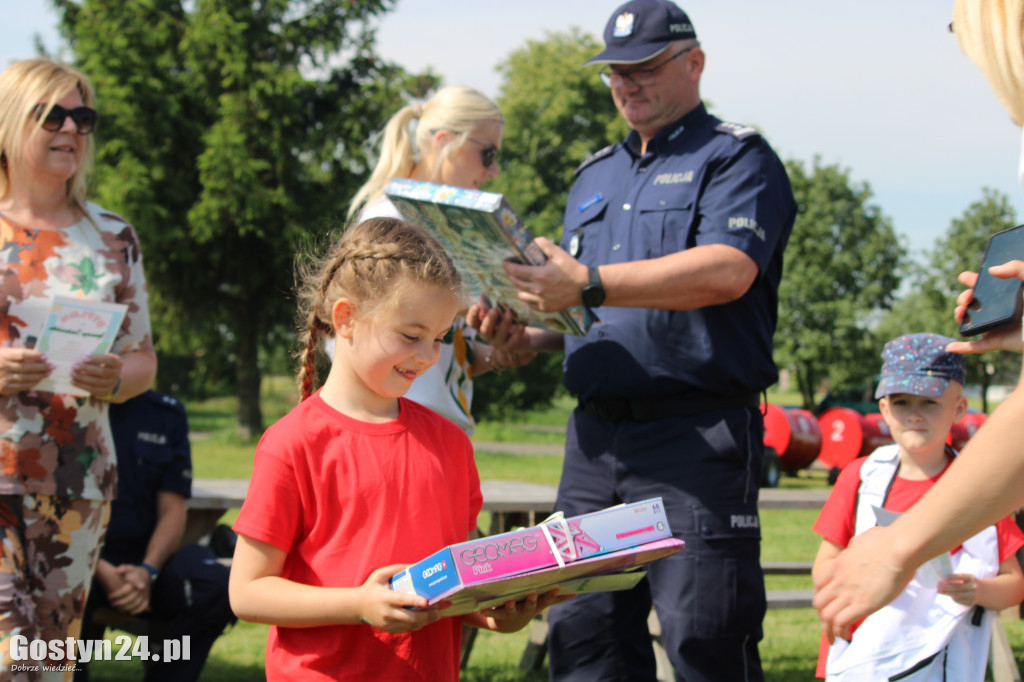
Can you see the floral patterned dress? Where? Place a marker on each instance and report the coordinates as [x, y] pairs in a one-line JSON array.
[[53, 443]]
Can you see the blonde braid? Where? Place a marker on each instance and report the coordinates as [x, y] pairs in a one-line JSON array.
[[364, 266], [307, 364]]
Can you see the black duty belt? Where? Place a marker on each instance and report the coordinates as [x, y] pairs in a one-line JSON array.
[[647, 409]]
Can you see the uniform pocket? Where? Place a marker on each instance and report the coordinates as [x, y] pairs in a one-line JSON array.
[[666, 219], [728, 586]]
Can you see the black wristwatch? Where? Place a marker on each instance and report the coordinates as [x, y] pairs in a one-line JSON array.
[[593, 293]]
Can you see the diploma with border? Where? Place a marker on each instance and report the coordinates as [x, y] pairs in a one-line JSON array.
[[76, 327]]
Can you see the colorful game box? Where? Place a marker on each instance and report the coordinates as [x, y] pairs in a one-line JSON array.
[[619, 570], [480, 230], [556, 542]]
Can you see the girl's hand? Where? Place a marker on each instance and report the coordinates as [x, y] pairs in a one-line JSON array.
[[390, 611], [1007, 337], [97, 374], [21, 369], [962, 587], [495, 326], [515, 615]]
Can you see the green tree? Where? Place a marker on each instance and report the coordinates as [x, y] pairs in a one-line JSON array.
[[842, 266], [558, 113], [232, 135], [961, 249]]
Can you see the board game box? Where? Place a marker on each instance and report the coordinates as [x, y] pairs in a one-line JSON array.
[[556, 542], [481, 230], [619, 570]]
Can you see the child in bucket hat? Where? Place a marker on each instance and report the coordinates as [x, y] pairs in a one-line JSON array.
[[940, 626]]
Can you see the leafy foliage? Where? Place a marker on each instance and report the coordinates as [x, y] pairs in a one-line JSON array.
[[929, 305], [558, 114], [843, 266], [232, 134]]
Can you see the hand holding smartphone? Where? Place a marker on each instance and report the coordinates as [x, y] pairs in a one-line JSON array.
[[996, 302]]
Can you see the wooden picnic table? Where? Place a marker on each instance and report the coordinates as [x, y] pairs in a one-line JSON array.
[[505, 500], [211, 499]]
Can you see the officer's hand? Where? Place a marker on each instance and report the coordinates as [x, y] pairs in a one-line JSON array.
[[553, 286], [132, 596]]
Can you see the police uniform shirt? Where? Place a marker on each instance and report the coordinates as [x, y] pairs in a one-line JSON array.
[[701, 182], [153, 454]]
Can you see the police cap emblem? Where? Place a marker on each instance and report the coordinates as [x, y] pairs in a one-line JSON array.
[[624, 24]]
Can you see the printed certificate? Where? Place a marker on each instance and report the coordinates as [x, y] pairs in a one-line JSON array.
[[73, 329]]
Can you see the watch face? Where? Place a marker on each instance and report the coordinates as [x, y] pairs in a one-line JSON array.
[[593, 296]]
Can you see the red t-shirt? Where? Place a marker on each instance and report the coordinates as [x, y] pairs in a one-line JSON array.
[[344, 497], [837, 520]]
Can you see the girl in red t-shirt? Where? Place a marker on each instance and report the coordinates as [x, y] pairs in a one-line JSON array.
[[357, 482]]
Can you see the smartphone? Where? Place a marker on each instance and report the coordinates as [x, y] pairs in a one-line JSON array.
[[996, 301]]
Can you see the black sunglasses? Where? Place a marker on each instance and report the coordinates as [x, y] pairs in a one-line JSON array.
[[489, 153], [84, 118]]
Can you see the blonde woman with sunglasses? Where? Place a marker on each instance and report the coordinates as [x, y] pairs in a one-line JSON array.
[[58, 468], [454, 139]]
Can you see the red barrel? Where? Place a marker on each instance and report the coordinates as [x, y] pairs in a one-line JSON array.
[[793, 433], [965, 428], [847, 435]]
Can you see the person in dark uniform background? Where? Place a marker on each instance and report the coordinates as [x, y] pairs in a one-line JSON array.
[[676, 237], [142, 571]]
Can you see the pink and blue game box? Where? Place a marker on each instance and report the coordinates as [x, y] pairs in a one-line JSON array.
[[556, 541]]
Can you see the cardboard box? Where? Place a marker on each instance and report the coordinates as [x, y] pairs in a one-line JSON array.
[[480, 230], [554, 543], [606, 572]]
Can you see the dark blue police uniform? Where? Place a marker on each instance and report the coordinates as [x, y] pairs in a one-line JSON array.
[[668, 400], [191, 591]]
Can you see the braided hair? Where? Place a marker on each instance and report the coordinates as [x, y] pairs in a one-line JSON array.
[[365, 265]]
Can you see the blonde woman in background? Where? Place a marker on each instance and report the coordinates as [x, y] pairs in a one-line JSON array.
[[452, 139], [987, 481]]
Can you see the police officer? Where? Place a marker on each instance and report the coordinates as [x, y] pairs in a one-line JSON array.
[[675, 236], [141, 570]]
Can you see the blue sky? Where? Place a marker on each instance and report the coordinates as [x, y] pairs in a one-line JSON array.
[[877, 86]]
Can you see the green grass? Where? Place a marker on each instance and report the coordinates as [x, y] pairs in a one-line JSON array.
[[789, 649]]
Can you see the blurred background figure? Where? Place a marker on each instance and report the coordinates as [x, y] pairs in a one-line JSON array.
[[142, 571]]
